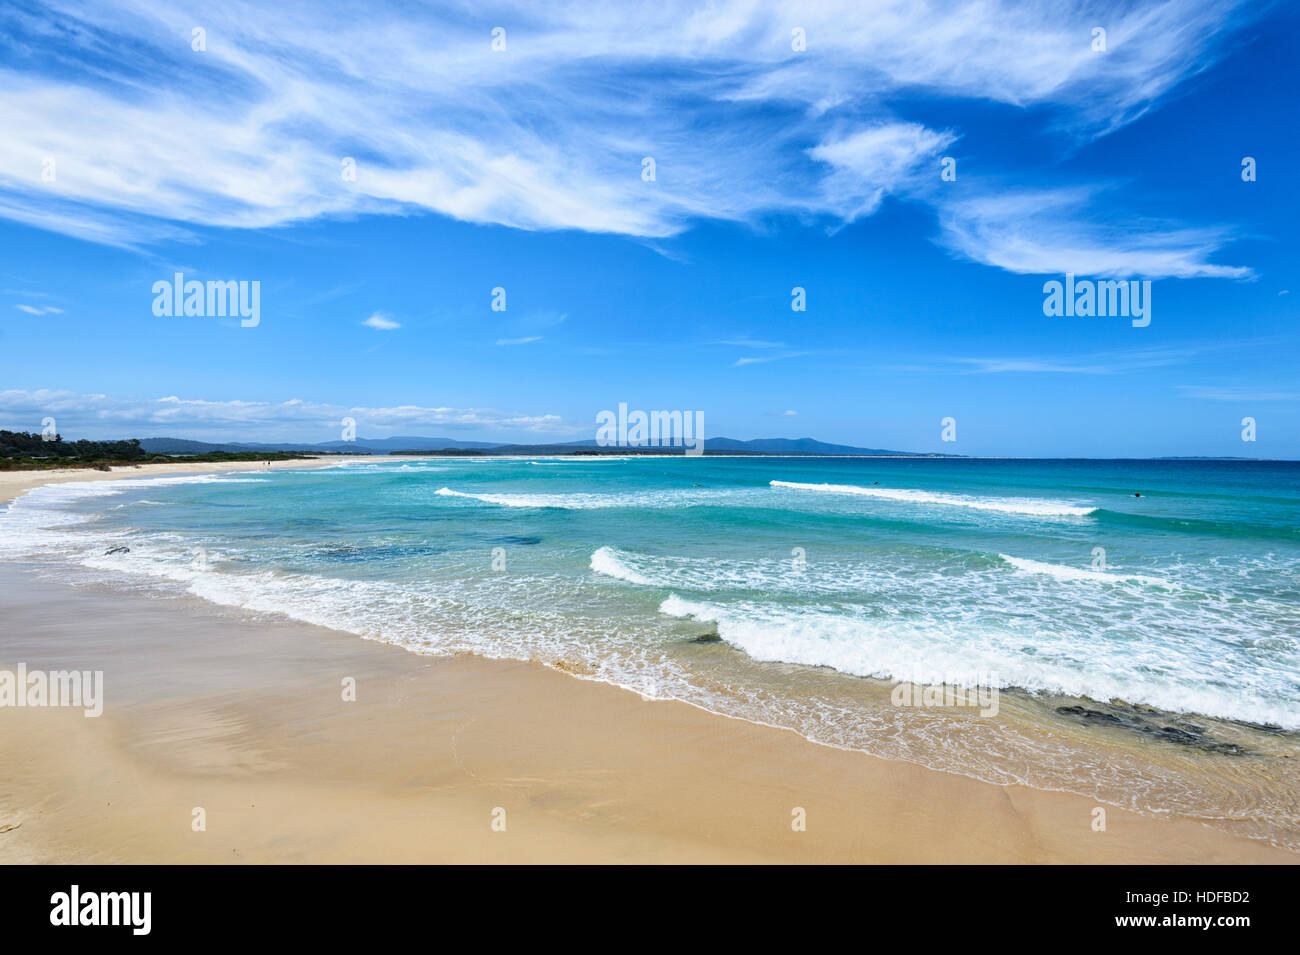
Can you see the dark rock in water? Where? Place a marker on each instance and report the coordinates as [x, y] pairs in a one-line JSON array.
[[118, 550], [707, 638], [1088, 714], [1199, 740], [1138, 720]]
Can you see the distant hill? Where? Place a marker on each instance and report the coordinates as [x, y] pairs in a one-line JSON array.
[[360, 446], [417, 445], [185, 446], [792, 446]]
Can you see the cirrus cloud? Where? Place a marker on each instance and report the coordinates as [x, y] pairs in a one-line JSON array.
[[256, 129]]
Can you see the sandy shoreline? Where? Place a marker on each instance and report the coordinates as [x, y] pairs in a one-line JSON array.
[[244, 717], [14, 483]]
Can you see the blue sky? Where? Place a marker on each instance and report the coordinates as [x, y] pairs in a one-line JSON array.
[[775, 167]]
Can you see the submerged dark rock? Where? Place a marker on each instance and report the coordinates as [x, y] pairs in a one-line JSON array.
[[1135, 720], [120, 549], [707, 638], [1179, 736], [1088, 714]]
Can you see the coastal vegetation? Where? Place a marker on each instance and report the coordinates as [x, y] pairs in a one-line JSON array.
[[26, 451]]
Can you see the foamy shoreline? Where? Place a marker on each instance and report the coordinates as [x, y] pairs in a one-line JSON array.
[[14, 483], [414, 768]]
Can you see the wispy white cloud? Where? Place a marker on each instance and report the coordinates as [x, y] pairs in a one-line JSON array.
[[1115, 362], [519, 341], [1075, 230], [994, 366], [551, 132], [763, 359], [39, 309], [101, 415], [382, 322], [1211, 393], [868, 163], [748, 343], [1111, 363]]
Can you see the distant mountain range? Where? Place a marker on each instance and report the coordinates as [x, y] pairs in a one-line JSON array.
[[773, 446]]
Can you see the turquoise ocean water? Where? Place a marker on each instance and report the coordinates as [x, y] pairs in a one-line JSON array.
[[1147, 649]]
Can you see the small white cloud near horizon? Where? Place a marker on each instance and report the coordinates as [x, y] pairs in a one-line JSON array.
[[788, 414], [1207, 393], [748, 343], [519, 341], [99, 415], [382, 322], [757, 360]]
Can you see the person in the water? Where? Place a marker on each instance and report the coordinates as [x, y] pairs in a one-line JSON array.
[[1137, 494]]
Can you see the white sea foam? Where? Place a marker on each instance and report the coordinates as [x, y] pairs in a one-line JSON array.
[[42, 520], [606, 561], [67, 491], [577, 459], [564, 501], [589, 501], [1067, 664], [1063, 572], [1031, 508], [764, 575]]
